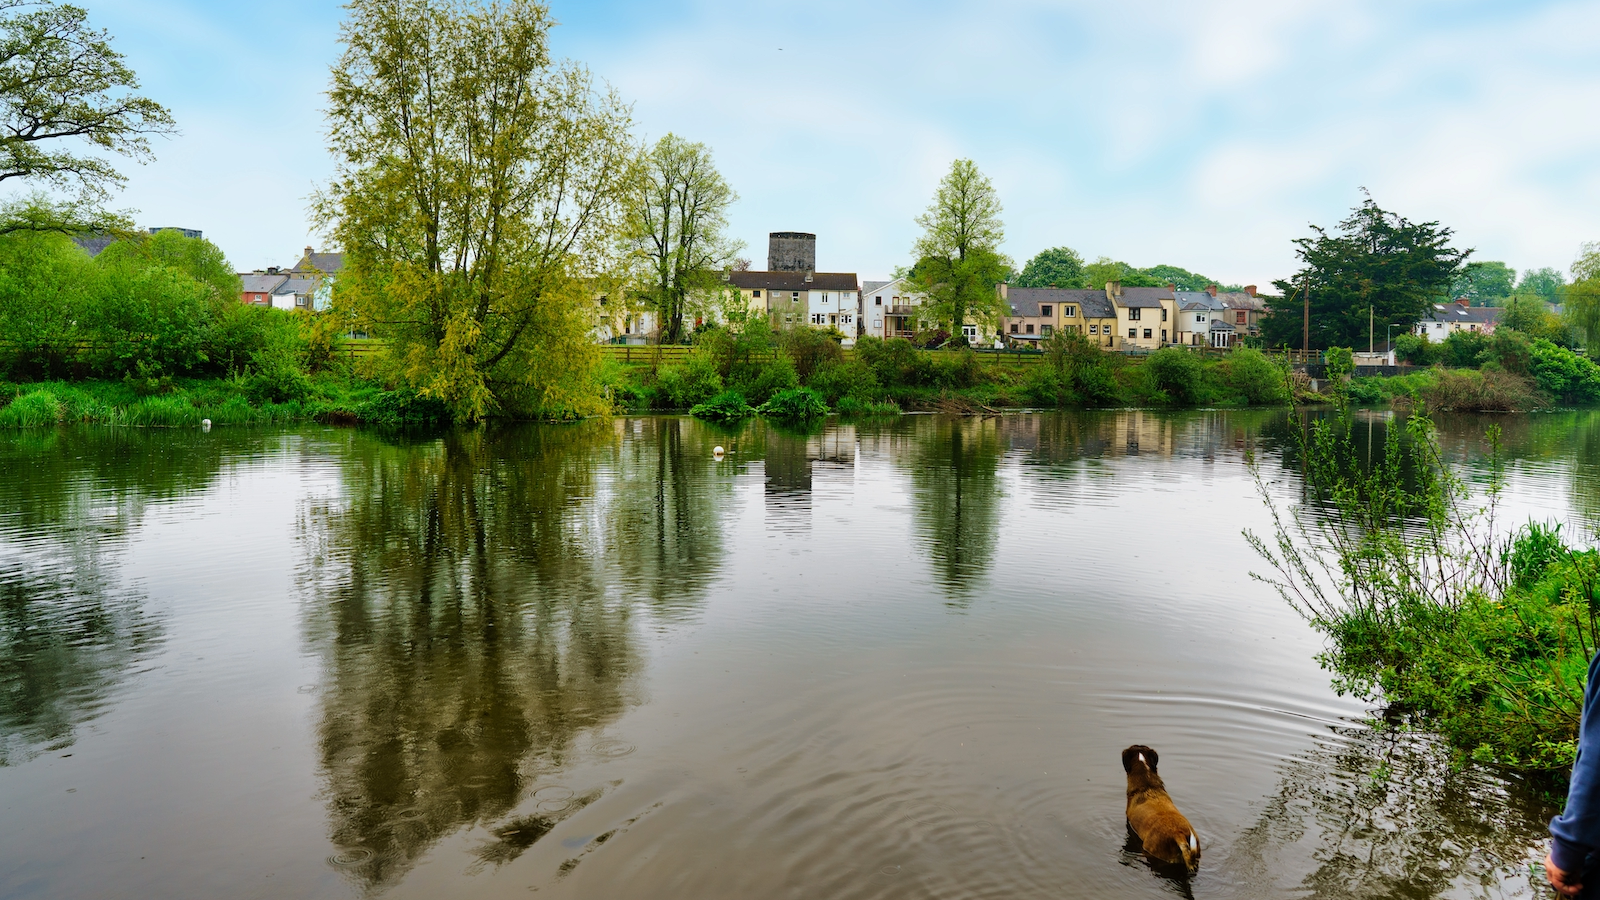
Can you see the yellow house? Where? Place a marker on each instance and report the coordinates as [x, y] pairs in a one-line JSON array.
[[1147, 317], [1037, 313]]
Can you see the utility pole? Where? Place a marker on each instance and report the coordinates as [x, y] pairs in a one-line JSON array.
[[1370, 327], [1305, 331]]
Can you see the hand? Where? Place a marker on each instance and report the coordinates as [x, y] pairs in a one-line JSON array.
[[1564, 882]]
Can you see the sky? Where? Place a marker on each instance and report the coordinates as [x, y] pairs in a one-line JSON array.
[[1206, 134]]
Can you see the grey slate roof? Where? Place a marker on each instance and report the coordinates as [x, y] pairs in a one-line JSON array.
[[1454, 312], [1142, 297], [1192, 300], [1241, 300], [327, 263], [93, 244], [794, 281], [868, 287], [261, 283], [1025, 301], [296, 285]]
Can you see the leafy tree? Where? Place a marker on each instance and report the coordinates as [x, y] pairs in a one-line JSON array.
[[677, 212], [1582, 299], [1485, 283], [478, 190], [1545, 283], [1378, 260], [63, 87], [1183, 279], [1529, 315], [1056, 267], [1106, 269], [958, 255]]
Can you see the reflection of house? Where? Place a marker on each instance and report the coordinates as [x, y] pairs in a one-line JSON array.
[[796, 465], [1445, 319]]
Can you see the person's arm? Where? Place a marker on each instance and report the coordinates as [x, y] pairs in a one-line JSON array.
[[1576, 832]]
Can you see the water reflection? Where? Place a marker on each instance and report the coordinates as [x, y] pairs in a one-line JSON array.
[[1383, 814], [475, 603], [70, 629], [957, 498]]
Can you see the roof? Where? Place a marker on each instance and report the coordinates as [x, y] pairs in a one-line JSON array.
[[260, 283], [1241, 300], [868, 287], [1220, 325], [328, 263], [1454, 312], [1142, 297], [93, 244], [794, 281], [1025, 301], [296, 285], [1197, 300]]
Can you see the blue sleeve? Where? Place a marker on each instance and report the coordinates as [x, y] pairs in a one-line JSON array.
[[1577, 830]]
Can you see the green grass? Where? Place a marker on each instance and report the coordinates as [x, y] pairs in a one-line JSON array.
[[182, 403]]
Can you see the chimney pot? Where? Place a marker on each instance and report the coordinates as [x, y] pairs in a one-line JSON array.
[[1250, 289], [309, 251]]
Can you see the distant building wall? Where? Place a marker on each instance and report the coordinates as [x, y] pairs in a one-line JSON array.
[[791, 251]]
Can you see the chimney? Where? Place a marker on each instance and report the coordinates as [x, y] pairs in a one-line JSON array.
[[1211, 289], [1464, 301], [1250, 289], [309, 251], [272, 270], [808, 277], [1113, 290], [1172, 287]]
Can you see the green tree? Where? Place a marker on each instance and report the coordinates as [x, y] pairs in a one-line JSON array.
[[62, 87], [1377, 260], [958, 255], [1582, 298], [1530, 316], [677, 213], [1183, 279], [1106, 269], [1485, 283], [1545, 283], [1056, 267], [478, 194]]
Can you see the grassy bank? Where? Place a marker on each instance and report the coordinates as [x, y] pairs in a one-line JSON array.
[[186, 402], [1431, 607]]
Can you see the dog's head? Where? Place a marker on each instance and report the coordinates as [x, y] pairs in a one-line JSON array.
[[1139, 756]]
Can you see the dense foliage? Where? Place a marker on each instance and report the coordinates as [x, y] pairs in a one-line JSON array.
[[1458, 627], [958, 258]]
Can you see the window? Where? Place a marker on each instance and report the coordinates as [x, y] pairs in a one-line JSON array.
[[970, 332], [1200, 317], [826, 298], [1046, 310], [788, 318], [1094, 329], [880, 301], [1030, 328], [1133, 332], [877, 324], [1163, 335], [756, 294], [1013, 328], [1147, 334], [818, 319], [1070, 312], [1045, 330], [1239, 317], [1163, 313], [1133, 314], [794, 296], [846, 319]]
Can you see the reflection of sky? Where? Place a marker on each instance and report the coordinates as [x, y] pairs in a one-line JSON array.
[[815, 709]]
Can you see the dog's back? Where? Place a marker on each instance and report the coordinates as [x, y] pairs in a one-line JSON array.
[[1165, 833]]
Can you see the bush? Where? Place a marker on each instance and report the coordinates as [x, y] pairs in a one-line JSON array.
[[851, 407], [728, 406], [797, 405], [1563, 374], [1255, 376], [32, 409], [1416, 350], [957, 370], [1491, 390], [404, 408], [774, 378], [687, 385], [810, 349], [281, 385], [895, 362], [1177, 374], [845, 378], [1465, 349]]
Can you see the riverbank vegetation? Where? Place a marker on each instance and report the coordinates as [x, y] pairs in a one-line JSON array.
[[1431, 608]]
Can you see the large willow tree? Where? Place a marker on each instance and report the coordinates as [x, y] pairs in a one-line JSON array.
[[477, 194]]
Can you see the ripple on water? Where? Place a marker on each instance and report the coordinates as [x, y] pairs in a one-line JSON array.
[[350, 858], [611, 749]]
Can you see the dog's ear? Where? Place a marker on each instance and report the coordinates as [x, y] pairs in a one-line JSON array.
[[1150, 756]]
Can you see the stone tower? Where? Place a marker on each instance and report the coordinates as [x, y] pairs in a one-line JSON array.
[[791, 251]]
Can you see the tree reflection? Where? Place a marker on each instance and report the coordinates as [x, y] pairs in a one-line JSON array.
[[1383, 814], [956, 497], [474, 603], [70, 631]]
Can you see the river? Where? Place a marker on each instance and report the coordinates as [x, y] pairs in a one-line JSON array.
[[886, 660]]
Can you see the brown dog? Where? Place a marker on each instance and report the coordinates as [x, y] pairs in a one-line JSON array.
[[1166, 834]]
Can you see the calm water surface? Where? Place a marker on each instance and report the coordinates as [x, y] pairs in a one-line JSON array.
[[885, 660]]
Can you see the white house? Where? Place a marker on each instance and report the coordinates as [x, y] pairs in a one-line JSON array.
[[1201, 320], [1444, 319], [890, 308]]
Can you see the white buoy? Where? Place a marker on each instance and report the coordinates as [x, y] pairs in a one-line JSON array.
[[206, 424], [717, 452]]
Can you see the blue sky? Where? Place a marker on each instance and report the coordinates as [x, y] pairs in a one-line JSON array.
[[1205, 134]]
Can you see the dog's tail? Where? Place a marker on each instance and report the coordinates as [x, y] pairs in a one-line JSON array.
[[1139, 753], [1189, 850]]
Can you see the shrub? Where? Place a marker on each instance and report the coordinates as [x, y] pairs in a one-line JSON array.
[[1465, 349], [728, 406], [845, 378], [1341, 363], [958, 369], [1255, 376], [1416, 350], [851, 407], [1563, 374], [32, 409], [773, 378], [1175, 373], [404, 408], [279, 385], [797, 405], [895, 362], [1491, 390], [810, 349], [689, 384]]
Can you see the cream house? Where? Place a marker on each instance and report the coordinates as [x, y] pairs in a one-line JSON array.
[[1146, 316]]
